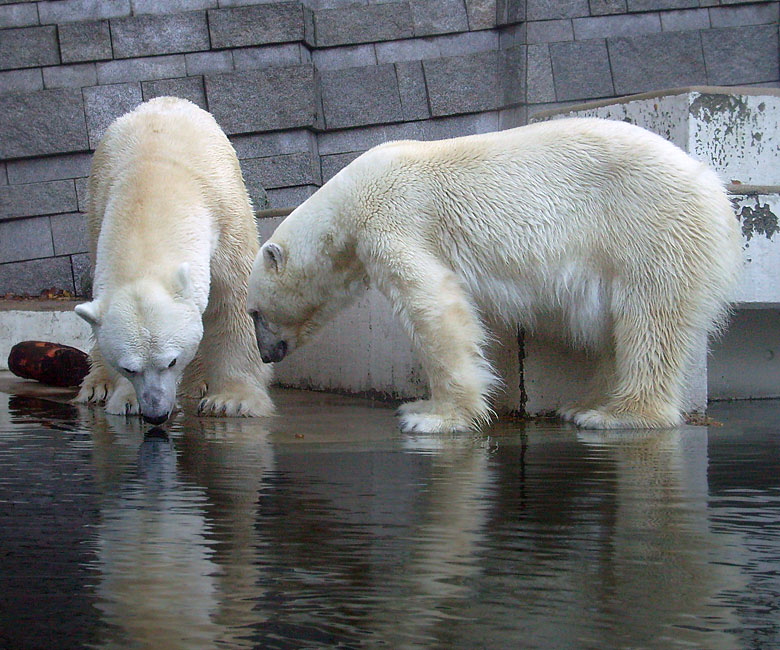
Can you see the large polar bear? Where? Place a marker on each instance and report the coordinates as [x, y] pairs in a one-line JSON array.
[[598, 229], [172, 240]]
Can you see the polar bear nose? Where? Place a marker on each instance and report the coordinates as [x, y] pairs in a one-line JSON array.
[[275, 353], [271, 348], [155, 419]]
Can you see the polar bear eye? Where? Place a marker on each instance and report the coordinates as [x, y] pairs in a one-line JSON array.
[[172, 363]]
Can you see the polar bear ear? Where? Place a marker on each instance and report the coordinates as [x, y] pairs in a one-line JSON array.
[[90, 312], [273, 257], [182, 282]]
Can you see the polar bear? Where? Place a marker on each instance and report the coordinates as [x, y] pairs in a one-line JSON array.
[[172, 241], [597, 230]]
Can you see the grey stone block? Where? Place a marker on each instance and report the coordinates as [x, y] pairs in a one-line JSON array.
[[290, 197], [280, 97], [332, 165], [256, 25], [541, 87], [144, 69], [359, 96], [208, 62], [288, 170], [71, 11], [69, 233], [438, 17], [581, 70], [25, 239], [615, 26], [26, 121], [82, 194], [172, 6], [104, 104], [741, 55], [82, 274], [159, 34], [70, 76], [550, 31], [510, 12], [466, 84], [754, 14], [187, 88], [34, 276], [28, 47], [512, 75], [685, 19], [482, 14], [50, 168], [654, 5], [18, 15], [25, 80], [3, 175], [655, 62], [363, 24], [555, 9], [606, 7], [261, 145], [85, 41], [252, 58], [474, 42], [413, 49], [411, 88], [363, 138], [35, 199], [338, 58], [509, 37]]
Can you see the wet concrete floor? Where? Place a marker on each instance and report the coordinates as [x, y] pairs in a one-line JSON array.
[[327, 527]]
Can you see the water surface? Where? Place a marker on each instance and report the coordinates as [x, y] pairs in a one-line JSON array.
[[326, 527]]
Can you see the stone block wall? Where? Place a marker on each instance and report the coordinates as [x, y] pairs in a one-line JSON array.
[[303, 87]]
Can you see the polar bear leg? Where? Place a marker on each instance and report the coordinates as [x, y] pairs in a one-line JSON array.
[[104, 385], [651, 350], [228, 375], [449, 338]]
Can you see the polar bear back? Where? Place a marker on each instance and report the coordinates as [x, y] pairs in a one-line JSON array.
[[564, 213], [171, 155]]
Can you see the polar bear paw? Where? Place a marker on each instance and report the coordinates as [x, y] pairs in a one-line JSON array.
[[424, 416], [123, 401], [244, 402], [606, 419], [95, 387]]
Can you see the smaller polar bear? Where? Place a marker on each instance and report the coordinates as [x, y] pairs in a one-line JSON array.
[[598, 230], [172, 240]]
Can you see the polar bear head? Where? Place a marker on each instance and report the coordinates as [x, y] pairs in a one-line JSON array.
[[302, 276], [148, 332]]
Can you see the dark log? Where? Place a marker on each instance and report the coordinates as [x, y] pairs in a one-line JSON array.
[[49, 363]]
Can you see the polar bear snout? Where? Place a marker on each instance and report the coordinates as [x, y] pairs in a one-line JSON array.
[[156, 420], [272, 348]]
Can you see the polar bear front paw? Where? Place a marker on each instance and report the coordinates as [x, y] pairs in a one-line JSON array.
[[236, 403], [95, 387], [123, 401], [416, 407], [606, 419]]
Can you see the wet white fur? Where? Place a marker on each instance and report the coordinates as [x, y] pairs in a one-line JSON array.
[[172, 240], [598, 230]]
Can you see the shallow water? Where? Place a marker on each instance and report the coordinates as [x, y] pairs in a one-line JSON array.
[[327, 527]]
